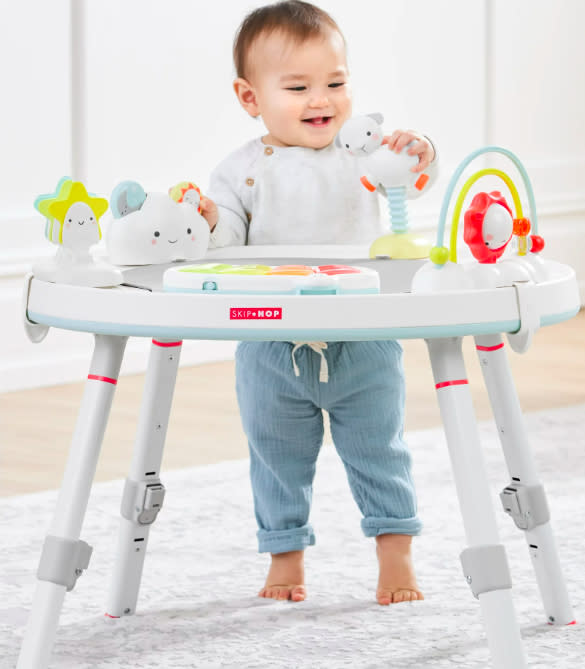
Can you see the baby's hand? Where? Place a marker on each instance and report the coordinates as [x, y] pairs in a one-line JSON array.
[[209, 212], [421, 147]]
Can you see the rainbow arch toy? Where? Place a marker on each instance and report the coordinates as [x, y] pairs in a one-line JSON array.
[[489, 269]]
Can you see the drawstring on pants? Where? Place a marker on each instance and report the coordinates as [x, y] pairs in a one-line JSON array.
[[318, 347]]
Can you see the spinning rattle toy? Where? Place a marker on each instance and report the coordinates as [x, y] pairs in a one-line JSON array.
[[185, 191], [389, 173]]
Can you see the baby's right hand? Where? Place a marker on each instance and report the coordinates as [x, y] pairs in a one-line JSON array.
[[209, 212]]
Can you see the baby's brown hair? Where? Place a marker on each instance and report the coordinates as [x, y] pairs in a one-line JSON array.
[[296, 19]]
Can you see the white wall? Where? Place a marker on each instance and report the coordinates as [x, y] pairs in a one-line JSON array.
[[160, 109], [536, 107]]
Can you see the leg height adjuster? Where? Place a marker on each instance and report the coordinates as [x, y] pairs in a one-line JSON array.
[[142, 501], [486, 568], [526, 504], [63, 561]]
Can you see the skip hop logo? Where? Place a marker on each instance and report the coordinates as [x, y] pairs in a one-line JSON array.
[[255, 313]]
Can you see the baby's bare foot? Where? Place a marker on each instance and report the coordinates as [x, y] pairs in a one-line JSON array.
[[286, 577], [397, 582]]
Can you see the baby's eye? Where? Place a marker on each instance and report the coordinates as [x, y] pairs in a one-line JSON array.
[[297, 88], [337, 84], [156, 233]]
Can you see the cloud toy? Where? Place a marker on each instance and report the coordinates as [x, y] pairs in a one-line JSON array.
[[153, 228]]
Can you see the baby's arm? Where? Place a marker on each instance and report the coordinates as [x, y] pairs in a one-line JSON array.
[[209, 212], [223, 210]]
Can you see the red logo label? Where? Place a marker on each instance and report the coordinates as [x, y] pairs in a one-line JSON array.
[[255, 313]]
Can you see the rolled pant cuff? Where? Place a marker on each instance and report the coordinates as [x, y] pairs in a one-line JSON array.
[[373, 527], [283, 541]]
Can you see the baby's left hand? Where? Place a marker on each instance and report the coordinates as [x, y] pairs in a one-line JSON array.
[[421, 147]]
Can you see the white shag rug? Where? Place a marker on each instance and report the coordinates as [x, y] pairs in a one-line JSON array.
[[197, 606]]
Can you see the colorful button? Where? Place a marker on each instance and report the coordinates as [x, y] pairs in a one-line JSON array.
[[208, 268], [245, 269], [337, 269], [291, 270]]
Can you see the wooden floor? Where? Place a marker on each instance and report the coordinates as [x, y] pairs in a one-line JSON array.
[[36, 425]]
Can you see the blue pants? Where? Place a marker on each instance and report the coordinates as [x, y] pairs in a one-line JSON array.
[[283, 421]]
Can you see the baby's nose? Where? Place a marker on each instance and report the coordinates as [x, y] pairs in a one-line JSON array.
[[319, 101]]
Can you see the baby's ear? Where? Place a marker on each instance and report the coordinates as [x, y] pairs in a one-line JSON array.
[[246, 96], [379, 118]]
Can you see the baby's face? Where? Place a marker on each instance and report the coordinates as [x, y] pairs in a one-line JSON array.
[[302, 90]]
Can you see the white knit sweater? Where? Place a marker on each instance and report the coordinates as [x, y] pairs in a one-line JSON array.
[[292, 195]]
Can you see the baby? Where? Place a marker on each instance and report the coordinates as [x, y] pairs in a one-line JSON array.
[[294, 186]]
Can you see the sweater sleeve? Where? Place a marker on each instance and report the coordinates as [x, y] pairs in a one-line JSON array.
[[232, 225]]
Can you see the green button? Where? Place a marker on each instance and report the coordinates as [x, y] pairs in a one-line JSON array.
[[245, 269], [207, 268]]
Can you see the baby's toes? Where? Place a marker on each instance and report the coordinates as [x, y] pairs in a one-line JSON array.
[[384, 597], [268, 593], [401, 596], [282, 594], [298, 593]]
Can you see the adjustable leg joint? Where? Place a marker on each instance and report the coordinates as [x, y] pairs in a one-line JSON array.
[[142, 501], [486, 568], [526, 505], [63, 561]]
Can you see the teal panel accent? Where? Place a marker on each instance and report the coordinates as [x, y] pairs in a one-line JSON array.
[[317, 291], [221, 291], [553, 319], [294, 334], [268, 334]]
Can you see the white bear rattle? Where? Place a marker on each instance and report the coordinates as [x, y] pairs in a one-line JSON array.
[[391, 174]]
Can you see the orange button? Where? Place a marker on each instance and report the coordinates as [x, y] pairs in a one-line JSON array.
[[289, 272], [308, 267], [292, 270]]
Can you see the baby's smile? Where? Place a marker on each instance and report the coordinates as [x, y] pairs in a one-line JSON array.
[[318, 120]]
